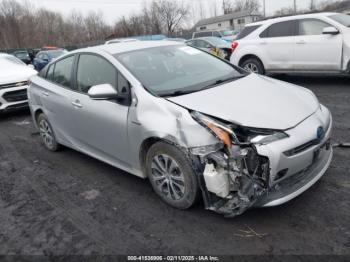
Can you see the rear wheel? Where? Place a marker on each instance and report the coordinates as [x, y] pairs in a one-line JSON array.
[[46, 133], [253, 65], [171, 175]]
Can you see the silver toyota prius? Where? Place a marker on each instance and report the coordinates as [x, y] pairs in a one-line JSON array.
[[193, 124]]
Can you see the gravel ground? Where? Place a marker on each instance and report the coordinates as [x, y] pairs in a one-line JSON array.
[[68, 203]]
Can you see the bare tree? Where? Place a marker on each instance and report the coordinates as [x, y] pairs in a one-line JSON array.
[[172, 14], [246, 5], [227, 6], [284, 11], [214, 9], [312, 5]]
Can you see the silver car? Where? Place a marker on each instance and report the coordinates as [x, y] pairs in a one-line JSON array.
[[193, 124]]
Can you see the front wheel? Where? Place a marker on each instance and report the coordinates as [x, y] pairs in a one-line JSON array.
[[171, 175], [253, 65]]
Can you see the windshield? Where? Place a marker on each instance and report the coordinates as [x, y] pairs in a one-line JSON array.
[[54, 54], [22, 55], [342, 19], [176, 70]]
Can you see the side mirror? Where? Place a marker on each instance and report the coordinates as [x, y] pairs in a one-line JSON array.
[[30, 66], [102, 92], [330, 31]]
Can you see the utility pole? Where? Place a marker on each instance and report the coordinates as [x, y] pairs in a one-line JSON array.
[[295, 6], [264, 8]]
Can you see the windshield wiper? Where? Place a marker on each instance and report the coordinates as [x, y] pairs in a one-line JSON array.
[[222, 81], [215, 83], [178, 93]]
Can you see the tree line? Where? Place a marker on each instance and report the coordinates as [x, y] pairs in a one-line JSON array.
[[26, 26]]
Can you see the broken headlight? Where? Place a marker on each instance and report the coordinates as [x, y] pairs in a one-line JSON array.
[[221, 131], [229, 133]]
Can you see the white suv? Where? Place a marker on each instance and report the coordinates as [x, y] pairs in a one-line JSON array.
[[312, 43]]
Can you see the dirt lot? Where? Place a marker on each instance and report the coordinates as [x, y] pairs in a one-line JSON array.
[[69, 203]]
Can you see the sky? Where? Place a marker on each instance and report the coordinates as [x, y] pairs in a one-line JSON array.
[[114, 9]]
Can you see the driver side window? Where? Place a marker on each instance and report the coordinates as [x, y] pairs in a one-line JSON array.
[[94, 70]]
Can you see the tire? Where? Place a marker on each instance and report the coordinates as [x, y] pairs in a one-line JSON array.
[[175, 182], [253, 65], [46, 133]]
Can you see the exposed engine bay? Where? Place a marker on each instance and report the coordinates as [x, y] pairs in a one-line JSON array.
[[234, 175], [235, 181]]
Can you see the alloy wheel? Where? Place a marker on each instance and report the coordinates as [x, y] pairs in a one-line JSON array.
[[251, 67], [168, 177], [46, 133]]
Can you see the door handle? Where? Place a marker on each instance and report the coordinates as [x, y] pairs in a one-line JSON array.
[[263, 43], [301, 42], [77, 104], [45, 93]]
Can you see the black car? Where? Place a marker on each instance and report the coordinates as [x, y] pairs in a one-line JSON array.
[[24, 56]]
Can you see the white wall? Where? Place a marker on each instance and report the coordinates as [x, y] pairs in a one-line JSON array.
[[226, 24]]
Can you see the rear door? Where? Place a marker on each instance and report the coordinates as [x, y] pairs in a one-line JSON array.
[[315, 51], [56, 98], [277, 43], [102, 124]]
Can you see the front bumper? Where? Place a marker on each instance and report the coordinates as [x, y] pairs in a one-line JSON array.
[[298, 183], [13, 98], [260, 175]]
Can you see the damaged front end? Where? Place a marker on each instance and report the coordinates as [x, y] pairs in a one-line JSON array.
[[232, 175]]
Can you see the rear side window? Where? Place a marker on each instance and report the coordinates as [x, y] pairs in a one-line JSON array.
[[63, 71], [312, 26], [247, 31], [94, 70], [217, 34], [281, 29]]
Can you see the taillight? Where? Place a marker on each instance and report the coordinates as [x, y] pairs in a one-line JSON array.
[[234, 45]]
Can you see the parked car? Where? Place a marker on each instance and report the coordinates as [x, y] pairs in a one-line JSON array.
[[212, 45], [44, 57], [312, 43], [23, 56], [190, 122], [227, 35], [14, 76], [120, 40]]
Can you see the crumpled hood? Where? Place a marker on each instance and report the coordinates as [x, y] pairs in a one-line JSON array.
[[254, 101]]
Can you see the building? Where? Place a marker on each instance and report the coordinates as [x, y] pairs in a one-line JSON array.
[[234, 21]]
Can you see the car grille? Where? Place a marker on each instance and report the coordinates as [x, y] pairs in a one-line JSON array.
[[15, 96], [305, 146], [17, 84]]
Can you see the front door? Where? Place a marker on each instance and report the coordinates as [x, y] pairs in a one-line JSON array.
[[315, 51], [102, 124]]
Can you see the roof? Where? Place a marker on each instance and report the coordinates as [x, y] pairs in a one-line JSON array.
[[129, 46], [291, 17], [230, 16]]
